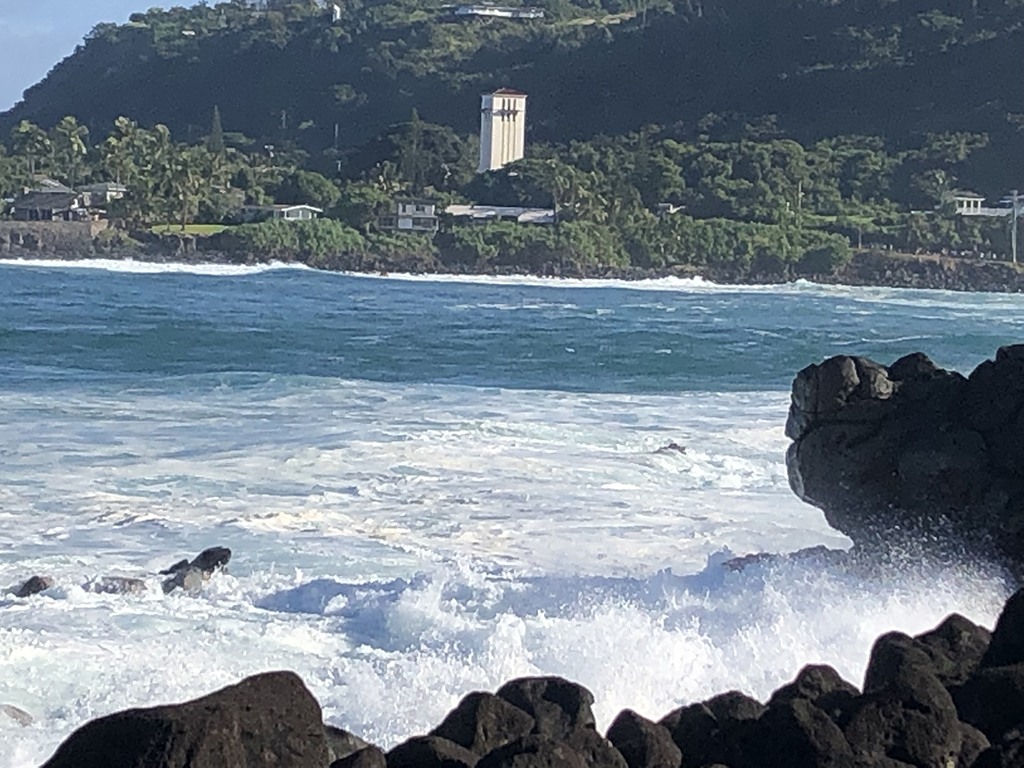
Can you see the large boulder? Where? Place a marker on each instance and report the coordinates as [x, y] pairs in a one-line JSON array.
[[912, 457], [559, 707], [483, 722], [269, 720]]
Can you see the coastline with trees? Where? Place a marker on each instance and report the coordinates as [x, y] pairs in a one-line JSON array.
[[728, 196]]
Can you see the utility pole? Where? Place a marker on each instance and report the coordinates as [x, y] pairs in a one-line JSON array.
[[1016, 212]]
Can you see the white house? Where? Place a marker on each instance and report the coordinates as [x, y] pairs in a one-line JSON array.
[[488, 11], [283, 212], [970, 204], [411, 215], [502, 128], [517, 214]]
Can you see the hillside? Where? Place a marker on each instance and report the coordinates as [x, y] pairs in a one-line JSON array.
[[805, 69]]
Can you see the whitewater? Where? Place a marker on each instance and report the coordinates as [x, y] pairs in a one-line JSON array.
[[432, 485]]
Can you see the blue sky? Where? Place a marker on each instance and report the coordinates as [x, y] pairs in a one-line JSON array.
[[36, 34]]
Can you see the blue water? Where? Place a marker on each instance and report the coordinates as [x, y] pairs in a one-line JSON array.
[[93, 325], [432, 486]]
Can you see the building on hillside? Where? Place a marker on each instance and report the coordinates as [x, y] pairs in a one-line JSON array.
[[282, 212], [488, 11], [49, 206], [411, 215], [481, 214], [103, 193], [502, 128], [971, 204]]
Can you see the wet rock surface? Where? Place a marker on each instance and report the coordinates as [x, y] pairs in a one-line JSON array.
[[912, 458], [952, 697]]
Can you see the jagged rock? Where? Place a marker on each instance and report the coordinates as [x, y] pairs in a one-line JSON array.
[[1007, 753], [269, 720], [189, 576], [795, 733], [914, 458], [992, 700], [711, 732], [905, 713], [18, 715], [821, 685], [1007, 643], [956, 648], [34, 586], [341, 743], [643, 743], [972, 744], [535, 751], [430, 752], [557, 706], [367, 757], [482, 722], [595, 749]]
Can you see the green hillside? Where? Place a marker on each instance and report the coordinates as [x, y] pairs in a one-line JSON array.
[[805, 69]]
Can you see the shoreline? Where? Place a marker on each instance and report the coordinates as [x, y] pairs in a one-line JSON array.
[[869, 269]]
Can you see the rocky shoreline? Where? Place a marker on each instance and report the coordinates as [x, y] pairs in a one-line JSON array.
[[949, 698], [867, 268]]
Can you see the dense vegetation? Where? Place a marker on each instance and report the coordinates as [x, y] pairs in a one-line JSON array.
[[780, 131]]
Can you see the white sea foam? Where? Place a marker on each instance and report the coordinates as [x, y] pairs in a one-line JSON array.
[[401, 545], [133, 266]]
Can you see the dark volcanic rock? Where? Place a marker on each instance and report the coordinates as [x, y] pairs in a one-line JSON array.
[[821, 685], [341, 743], [644, 744], [992, 700], [557, 706], [796, 733], [906, 713], [712, 732], [595, 749], [912, 457], [536, 751], [189, 576], [430, 752], [368, 757], [956, 648], [1007, 643], [268, 720], [483, 722], [34, 586]]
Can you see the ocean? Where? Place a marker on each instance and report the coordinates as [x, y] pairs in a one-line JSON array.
[[432, 485]]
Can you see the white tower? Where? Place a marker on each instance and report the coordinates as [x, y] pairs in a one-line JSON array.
[[502, 128]]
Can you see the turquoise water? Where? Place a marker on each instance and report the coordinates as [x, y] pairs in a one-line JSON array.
[[430, 487], [93, 325]]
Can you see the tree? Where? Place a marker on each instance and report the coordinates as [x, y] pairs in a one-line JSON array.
[[30, 141], [215, 141], [68, 138]]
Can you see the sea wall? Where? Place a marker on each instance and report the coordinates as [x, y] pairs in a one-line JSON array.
[[949, 698]]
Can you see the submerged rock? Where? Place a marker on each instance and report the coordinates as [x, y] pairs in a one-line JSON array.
[[33, 586], [17, 714], [914, 458], [189, 576]]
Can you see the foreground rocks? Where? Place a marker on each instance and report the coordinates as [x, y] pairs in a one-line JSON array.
[[912, 457], [949, 698]]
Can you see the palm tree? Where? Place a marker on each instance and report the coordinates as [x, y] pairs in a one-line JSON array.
[[68, 138], [31, 141]]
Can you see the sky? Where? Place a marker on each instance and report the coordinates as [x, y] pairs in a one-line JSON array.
[[36, 34]]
